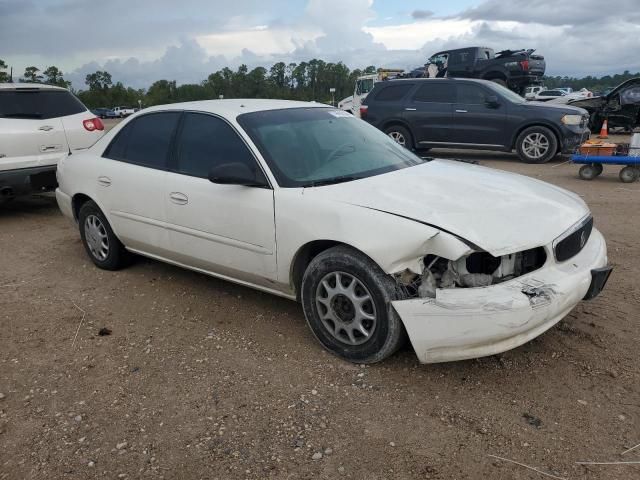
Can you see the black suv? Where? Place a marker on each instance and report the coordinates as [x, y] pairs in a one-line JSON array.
[[466, 113]]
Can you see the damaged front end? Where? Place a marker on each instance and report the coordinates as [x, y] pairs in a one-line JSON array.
[[479, 304], [477, 269]]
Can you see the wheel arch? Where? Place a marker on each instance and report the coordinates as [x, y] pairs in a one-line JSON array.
[[77, 201], [306, 253], [401, 123], [550, 126], [495, 74]]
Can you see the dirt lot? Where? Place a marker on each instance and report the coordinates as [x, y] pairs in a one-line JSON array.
[[204, 379]]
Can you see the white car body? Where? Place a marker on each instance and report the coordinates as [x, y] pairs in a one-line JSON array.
[[123, 111], [531, 92], [579, 95], [346, 104], [444, 208], [548, 95], [31, 145]]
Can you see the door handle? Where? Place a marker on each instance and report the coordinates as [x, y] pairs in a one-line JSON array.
[[179, 198], [104, 181], [46, 128], [462, 111], [410, 109]]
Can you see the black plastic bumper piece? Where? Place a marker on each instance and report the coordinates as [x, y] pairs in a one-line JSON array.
[[599, 278]]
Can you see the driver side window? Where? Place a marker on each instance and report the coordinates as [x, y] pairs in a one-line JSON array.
[[206, 141]]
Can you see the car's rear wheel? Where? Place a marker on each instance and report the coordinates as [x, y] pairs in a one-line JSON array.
[[536, 145], [347, 299], [102, 245], [400, 135]]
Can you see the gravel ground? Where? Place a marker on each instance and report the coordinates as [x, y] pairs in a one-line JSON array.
[[200, 378]]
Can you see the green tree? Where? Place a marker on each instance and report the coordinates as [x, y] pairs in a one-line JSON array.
[[53, 76], [31, 75], [4, 76], [99, 80]]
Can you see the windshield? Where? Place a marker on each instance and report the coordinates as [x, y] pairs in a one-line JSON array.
[[506, 93], [306, 147]]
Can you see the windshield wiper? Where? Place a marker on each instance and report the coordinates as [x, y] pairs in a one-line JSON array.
[[21, 115], [332, 181]]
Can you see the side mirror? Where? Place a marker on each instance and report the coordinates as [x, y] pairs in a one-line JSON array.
[[237, 173], [492, 101]]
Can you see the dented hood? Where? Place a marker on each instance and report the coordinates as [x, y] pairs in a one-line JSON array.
[[498, 211]]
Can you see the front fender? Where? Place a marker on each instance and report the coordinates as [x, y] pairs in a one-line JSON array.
[[394, 243]]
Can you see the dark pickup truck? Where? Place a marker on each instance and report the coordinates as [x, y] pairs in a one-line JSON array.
[[515, 69]]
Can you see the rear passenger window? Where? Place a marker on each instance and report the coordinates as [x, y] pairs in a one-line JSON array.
[[471, 94], [394, 92], [435, 92], [207, 141], [39, 104], [145, 141]]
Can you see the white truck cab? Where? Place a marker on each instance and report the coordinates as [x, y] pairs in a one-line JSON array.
[[123, 111], [365, 83]]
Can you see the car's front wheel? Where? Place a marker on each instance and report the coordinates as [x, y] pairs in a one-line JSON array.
[[102, 245], [400, 135], [536, 145], [347, 299]]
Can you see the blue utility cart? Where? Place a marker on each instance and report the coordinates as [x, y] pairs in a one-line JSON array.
[[624, 155]]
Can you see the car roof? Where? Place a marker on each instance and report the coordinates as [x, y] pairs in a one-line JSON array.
[[29, 86], [236, 106], [449, 79]]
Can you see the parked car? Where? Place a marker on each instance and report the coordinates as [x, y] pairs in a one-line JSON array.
[[123, 111], [546, 95], [566, 90], [104, 113], [39, 124], [346, 104], [531, 92], [477, 114], [569, 97], [515, 69], [298, 199], [621, 107]]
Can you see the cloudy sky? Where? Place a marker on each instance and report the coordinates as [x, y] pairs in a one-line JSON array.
[[139, 41]]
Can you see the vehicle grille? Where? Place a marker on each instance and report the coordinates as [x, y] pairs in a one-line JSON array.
[[572, 244]]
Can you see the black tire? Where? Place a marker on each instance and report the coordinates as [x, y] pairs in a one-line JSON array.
[[629, 174], [400, 135], [526, 145], [386, 334], [499, 81], [589, 171], [90, 217]]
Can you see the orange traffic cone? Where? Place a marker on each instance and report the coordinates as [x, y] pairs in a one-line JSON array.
[[604, 131]]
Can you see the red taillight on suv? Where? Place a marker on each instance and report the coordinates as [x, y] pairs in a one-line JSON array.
[[92, 124], [524, 64], [363, 111]]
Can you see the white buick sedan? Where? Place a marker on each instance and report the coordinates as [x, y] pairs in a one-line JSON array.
[[307, 202]]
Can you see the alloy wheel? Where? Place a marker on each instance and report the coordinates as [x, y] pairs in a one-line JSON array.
[[346, 308], [535, 145], [96, 237]]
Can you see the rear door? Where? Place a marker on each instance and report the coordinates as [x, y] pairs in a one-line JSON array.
[[430, 112], [476, 121], [131, 181], [31, 132]]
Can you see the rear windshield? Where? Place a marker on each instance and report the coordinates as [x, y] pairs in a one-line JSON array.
[[38, 104]]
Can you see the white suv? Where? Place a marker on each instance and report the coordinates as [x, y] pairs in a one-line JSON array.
[[39, 125]]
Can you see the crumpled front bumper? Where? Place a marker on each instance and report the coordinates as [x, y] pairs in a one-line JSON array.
[[462, 323]]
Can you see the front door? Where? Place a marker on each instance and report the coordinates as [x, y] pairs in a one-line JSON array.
[[478, 122], [228, 230]]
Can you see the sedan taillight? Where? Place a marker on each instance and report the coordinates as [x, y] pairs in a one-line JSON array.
[[92, 124]]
